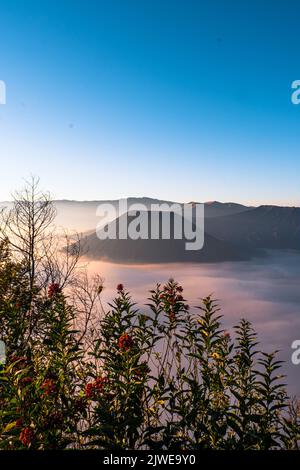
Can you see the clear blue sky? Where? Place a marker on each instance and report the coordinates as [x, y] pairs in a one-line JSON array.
[[184, 100]]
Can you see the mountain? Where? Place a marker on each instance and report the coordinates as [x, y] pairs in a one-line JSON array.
[[237, 233], [232, 231], [81, 215], [158, 251], [218, 209], [268, 227]]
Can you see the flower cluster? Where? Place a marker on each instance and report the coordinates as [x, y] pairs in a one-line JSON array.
[[26, 436], [125, 342], [53, 289], [48, 387], [226, 335], [96, 388], [172, 299]]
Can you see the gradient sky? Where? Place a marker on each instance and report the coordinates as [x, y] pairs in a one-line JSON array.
[[182, 100]]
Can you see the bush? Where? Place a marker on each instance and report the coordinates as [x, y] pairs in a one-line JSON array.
[[169, 378]]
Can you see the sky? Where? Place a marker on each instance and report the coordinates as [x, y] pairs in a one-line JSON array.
[[182, 100]]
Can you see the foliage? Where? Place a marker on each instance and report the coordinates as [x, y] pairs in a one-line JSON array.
[[164, 377]]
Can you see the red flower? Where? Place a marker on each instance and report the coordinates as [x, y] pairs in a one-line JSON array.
[[48, 387], [172, 316], [53, 289], [26, 436], [94, 389], [125, 342], [120, 288], [89, 390], [100, 382], [172, 299], [226, 335]]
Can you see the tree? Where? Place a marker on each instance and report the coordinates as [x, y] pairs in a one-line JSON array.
[[26, 227]]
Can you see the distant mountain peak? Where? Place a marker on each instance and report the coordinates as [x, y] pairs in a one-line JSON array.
[[209, 203]]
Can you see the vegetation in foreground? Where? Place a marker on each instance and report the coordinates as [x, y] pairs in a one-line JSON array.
[[168, 377]]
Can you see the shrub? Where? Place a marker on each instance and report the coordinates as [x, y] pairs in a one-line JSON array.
[[167, 378]]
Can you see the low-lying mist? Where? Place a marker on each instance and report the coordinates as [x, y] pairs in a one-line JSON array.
[[265, 291]]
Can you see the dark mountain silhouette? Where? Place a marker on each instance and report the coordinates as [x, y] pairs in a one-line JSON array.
[[159, 251], [269, 227], [232, 232], [218, 209]]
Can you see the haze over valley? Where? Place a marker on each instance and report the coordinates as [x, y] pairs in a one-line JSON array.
[[250, 262]]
